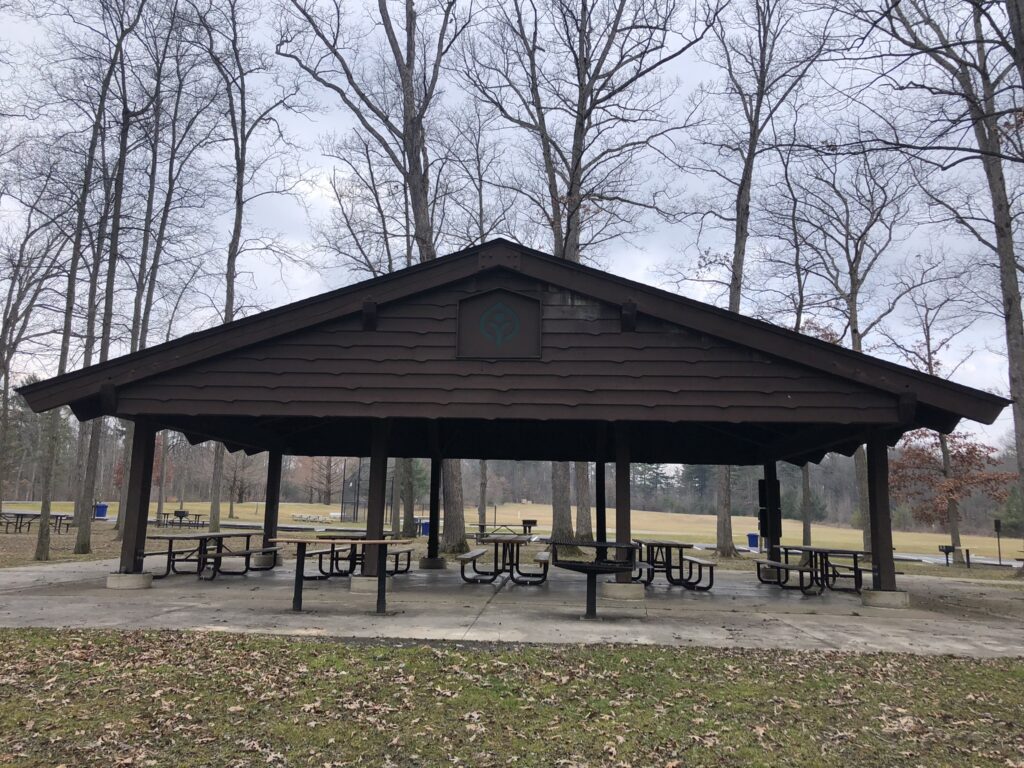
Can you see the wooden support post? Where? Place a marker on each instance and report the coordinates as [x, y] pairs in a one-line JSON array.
[[273, 497], [623, 532], [136, 512], [376, 493], [773, 511], [879, 512], [600, 508]]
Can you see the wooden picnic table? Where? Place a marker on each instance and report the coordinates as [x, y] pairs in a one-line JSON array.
[[22, 520], [300, 562], [355, 556], [200, 552]]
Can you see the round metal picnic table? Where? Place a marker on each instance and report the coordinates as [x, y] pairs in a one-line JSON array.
[[600, 565]]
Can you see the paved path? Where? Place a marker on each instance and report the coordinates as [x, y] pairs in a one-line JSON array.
[[953, 616]]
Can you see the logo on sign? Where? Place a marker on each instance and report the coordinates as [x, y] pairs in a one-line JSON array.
[[499, 324]]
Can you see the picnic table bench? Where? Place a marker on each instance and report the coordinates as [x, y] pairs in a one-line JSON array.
[[671, 559], [783, 570], [695, 581], [507, 560]]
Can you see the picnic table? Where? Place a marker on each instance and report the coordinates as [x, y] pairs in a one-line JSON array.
[[507, 560], [300, 563], [186, 518], [600, 564], [21, 520], [198, 551], [505, 529], [670, 558], [347, 551], [822, 569]]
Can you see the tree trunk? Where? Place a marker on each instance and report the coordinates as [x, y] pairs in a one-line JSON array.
[[952, 507], [725, 544], [453, 541], [561, 506], [49, 462], [83, 536], [162, 493], [584, 528], [215, 487], [396, 498], [126, 463], [805, 503], [481, 507], [860, 463], [408, 499]]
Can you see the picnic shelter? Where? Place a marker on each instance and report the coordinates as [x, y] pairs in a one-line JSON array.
[[502, 352]]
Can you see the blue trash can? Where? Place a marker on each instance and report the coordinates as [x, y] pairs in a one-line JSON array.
[[100, 511], [424, 527], [752, 539]]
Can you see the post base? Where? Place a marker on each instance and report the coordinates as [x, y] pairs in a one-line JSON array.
[[367, 585], [129, 580], [613, 590], [433, 563], [264, 561], [885, 599]]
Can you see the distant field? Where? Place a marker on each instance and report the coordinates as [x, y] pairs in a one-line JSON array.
[[696, 528]]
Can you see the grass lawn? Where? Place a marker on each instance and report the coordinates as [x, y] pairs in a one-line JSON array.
[[696, 528], [168, 699]]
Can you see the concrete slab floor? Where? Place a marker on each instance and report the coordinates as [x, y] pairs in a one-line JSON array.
[[947, 616]]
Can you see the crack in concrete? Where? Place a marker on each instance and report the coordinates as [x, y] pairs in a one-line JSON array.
[[486, 605]]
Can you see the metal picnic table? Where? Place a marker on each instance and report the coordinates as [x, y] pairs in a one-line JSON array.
[[826, 573], [23, 519], [511, 548], [657, 553], [300, 563], [601, 564], [200, 552]]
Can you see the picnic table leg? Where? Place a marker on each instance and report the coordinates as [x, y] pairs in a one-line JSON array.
[[382, 577], [170, 560], [300, 567], [591, 596]]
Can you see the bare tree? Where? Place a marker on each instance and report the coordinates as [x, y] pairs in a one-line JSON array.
[[344, 54], [31, 257], [253, 98], [118, 21], [582, 84], [958, 77], [765, 51], [938, 313], [855, 213], [785, 287]]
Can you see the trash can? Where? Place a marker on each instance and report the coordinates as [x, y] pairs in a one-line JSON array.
[[100, 511], [752, 539], [424, 527]]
